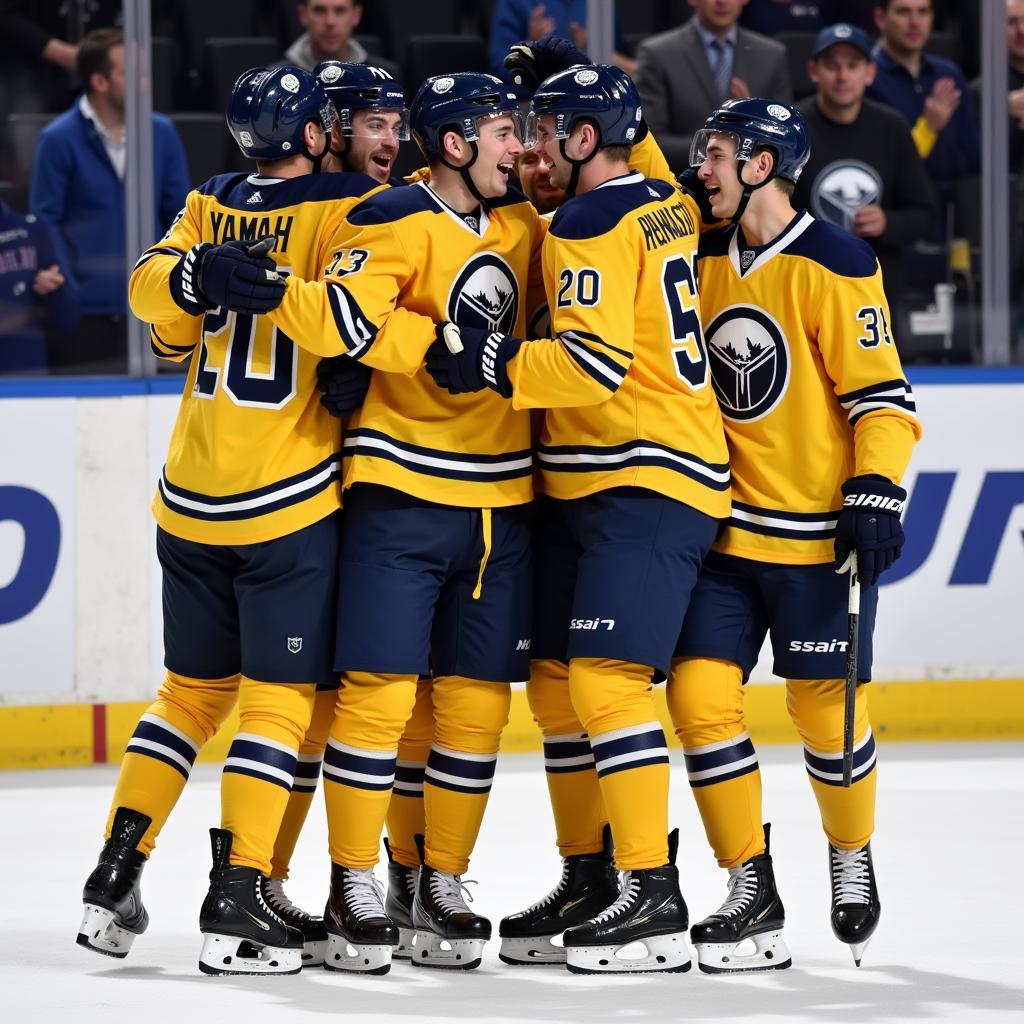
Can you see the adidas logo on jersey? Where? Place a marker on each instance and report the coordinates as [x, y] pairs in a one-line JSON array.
[[254, 198]]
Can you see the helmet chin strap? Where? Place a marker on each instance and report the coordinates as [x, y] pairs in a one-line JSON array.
[[748, 189], [467, 178], [577, 165], [318, 158]]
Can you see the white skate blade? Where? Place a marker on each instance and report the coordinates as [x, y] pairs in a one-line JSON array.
[[228, 954], [764, 952], [343, 955], [406, 941], [99, 932], [537, 950], [448, 954], [857, 949], [657, 953], [313, 953]]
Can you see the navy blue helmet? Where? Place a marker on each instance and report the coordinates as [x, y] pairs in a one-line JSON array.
[[758, 124], [456, 103], [351, 87], [269, 110], [600, 93]]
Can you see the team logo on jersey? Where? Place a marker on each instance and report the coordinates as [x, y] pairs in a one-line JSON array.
[[443, 85], [485, 294], [586, 77], [749, 362], [778, 111], [294, 644], [290, 83], [842, 188]]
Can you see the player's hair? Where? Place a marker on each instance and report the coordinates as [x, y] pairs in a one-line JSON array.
[[94, 53], [620, 153]]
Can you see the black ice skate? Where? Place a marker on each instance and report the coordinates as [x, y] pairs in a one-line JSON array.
[[588, 885], [855, 905], [242, 934], [644, 930], [448, 933], [114, 913], [752, 915], [360, 935], [314, 934], [398, 906]]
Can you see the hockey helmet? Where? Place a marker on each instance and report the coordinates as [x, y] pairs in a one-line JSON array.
[[270, 108], [601, 93], [351, 87]]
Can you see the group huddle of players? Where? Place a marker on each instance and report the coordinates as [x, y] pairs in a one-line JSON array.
[[561, 461]]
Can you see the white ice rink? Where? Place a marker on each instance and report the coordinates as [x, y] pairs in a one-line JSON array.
[[947, 853]]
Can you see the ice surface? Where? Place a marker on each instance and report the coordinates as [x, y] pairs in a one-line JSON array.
[[947, 853]]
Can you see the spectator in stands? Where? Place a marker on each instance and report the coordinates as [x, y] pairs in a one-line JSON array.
[[78, 186], [329, 25], [926, 90], [864, 173], [515, 20], [35, 293], [687, 72]]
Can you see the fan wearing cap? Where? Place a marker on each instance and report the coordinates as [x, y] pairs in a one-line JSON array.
[[821, 422], [864, 173]]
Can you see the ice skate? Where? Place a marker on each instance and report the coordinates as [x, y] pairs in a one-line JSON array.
[[314, 934], [448, 934], [644, 930], [745, 933], [360, 936], [241, 933], [114, 913], [398, 905], [855, 905], [588, 885]]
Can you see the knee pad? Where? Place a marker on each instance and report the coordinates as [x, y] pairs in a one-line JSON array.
[[276, 711], [373, 709], [705, 700], [610, 695], [547, 692], [201, 705], [817, 708], [470, 714]]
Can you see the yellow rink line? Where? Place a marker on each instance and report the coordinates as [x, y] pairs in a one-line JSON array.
[[51, 736]]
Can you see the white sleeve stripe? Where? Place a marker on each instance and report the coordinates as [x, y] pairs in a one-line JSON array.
[[590, 363]]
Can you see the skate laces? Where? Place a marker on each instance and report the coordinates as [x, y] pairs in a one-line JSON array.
[[551, 896], [629, 886], [851, 876], [364, 895], [742, 890], [273, 890], [449, 892]]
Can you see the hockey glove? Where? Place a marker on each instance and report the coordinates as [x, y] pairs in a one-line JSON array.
[[693, 186], [343, 383], [869, 524], [530, 63], [466, 359], [237, 275]]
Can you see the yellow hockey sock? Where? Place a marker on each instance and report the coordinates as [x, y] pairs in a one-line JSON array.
[[817, 707], [307, 771], [469, 715], [615, 703], [163, 748], [260, 766], [360, 760], [405, 818], [705, 699], [573, 788]]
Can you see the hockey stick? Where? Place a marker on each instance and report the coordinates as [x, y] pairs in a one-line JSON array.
[[852, 631]]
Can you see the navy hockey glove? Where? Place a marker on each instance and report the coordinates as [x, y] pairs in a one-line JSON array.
[[869, 524], [693, 186], [343, 383], [237, 275], [530, 63], [466, 359]]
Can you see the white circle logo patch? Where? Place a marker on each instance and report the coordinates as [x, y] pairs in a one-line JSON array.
[[443, 85], [331, 73], [778, 111], [842, 188], [585, 77], [290, 83]]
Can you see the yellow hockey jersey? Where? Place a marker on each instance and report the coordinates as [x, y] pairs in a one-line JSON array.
[[809, 381], [253, 455], [625, 375], [403, 262]]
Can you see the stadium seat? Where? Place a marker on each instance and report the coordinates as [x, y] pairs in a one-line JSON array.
[[437, 55], [15, 195], [946, 44], [204, 19], [225, 58], [643, 17], [403, 19], [165, 73], [23, 131], [206, 143], [798, 52]]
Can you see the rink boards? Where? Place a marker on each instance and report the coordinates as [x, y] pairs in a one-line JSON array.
[[80, 630]]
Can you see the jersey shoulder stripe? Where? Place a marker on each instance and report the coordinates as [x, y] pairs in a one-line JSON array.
[[716, 242], [253, 194], [597, 212], [394, 204], [836, 250]]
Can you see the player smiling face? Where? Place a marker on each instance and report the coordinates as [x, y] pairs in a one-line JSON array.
[[535, 177], [373, 143], [718, 173], [498, 147]]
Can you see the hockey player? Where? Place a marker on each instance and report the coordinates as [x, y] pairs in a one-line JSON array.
[[436, 537], [820, 422], [247, 526], [635, 480]]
